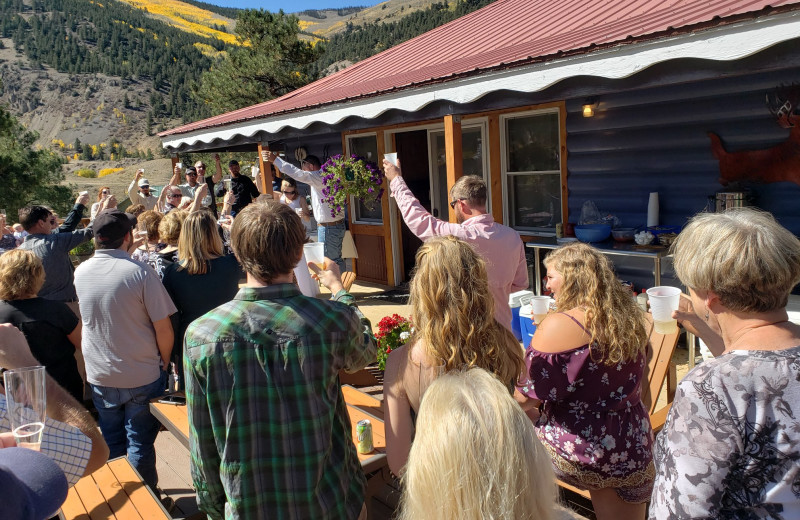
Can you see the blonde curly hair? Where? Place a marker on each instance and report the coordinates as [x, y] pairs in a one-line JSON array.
[[453, 311], [613, 320]]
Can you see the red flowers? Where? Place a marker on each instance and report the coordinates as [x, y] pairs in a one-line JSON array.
[[393, 331]]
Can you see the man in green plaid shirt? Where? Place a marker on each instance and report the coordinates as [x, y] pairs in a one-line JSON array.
[[269, 431]]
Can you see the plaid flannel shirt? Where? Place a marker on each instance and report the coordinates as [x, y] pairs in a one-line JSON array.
[[269, 431]]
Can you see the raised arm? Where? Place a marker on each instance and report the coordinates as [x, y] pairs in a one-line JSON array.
[[199, 194], [417, 218], [134, 185], [218, 175], [75, 215], [311, 178]]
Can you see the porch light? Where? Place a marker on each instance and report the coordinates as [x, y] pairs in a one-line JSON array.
[[589, 106]]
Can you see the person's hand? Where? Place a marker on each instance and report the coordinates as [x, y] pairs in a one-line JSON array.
[[392, 171], [14, 350], [268, 156], [201, 192], [139, 239], [111, 202], [7, 440], [82, 199], [330, 277], [139, 174], [177, 171], [216, 157], [229, 199]]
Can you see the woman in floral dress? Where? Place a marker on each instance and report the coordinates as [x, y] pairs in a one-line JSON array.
[[586, 364], [729, 448]]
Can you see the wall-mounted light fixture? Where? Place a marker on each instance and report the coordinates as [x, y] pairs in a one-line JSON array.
[[589, 106]]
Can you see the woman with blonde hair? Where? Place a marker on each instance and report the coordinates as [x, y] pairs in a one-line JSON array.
[[476, 456], [51, 328], [729, 445], [586, 365], [103, 195], [203, 279], [454, 328]]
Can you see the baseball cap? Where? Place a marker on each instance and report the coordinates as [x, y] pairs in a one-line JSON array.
[[143, 182], [32, 486], [112, 224]]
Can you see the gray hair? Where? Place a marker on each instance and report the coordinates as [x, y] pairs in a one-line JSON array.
[[749, 260], [470, 188]]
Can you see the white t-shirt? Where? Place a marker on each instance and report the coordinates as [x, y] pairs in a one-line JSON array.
[[120, 299]]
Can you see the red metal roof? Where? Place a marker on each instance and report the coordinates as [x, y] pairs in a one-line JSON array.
[[503, 34]]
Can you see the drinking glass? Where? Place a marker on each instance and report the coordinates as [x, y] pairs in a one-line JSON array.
[[541, 306], [663, 301], [27, 402], [315, 252]]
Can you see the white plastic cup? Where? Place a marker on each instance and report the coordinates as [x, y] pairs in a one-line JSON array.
[[26, 399], [664, 301], [315, 253], [541, 305], [391, 157]]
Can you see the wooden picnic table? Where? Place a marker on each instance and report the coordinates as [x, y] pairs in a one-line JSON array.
[[114, 491], [359, 406]]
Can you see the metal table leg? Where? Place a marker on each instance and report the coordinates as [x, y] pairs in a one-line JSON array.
[[537, 269], [657, 274]]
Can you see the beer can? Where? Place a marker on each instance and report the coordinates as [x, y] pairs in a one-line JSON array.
[[559, 230], [364, 435]]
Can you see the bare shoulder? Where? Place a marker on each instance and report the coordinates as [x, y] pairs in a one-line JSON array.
[[559, 333]]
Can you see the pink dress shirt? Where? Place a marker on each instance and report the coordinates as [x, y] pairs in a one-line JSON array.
[[498, 245]]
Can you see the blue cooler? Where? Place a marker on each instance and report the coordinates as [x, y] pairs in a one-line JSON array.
[[526, 325], [515, 302]]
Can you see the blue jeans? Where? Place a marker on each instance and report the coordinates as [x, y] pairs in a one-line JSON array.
[[332, 237], [128, 426]]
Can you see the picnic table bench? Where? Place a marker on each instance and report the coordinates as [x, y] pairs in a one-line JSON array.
[[114, 492]]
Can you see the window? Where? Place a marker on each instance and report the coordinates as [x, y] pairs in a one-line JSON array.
[[531, 165], [472, 160], [366, 146]]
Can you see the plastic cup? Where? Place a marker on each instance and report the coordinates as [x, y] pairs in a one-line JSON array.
[[664, 301], [541, 305], [315, 253], [26, 398], [391, 157]]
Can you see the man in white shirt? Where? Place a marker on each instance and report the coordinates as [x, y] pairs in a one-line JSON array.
[[127, 341], [143, 196], [330, 229]]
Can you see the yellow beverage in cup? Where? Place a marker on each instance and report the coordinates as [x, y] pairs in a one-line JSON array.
[[665, 327], [537, 318]]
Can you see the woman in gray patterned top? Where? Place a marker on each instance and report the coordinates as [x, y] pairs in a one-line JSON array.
[[729, 448]]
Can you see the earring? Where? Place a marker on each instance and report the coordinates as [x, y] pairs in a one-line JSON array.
[[706, 315]]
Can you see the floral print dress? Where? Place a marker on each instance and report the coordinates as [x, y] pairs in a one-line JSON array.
[[593, 421], [730, 447]]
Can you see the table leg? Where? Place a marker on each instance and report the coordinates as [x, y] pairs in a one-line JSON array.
[[657, 269], [690, 344], [536, 270]]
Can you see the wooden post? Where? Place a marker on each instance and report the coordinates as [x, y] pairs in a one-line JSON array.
[[453, 154], [266, 186], [387, 220], [495, 175]]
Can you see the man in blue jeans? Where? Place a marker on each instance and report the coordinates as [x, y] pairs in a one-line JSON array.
[[330, 229], [127, 340]]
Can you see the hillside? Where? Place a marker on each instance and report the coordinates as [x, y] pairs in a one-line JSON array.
[[98, 79]]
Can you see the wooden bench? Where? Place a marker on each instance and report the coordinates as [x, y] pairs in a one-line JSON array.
[[660, 368], [115, 491], [358, 399]]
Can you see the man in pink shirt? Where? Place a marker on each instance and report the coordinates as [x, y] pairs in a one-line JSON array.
[[498, 245]]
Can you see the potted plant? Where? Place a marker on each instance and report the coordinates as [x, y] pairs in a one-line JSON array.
[[83, 251], [393, 332], [350, 176]]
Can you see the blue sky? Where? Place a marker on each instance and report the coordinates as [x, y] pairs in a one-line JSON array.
[[291, 6]]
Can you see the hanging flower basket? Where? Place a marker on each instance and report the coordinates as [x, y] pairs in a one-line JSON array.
[[393, 332], [350, 176]]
